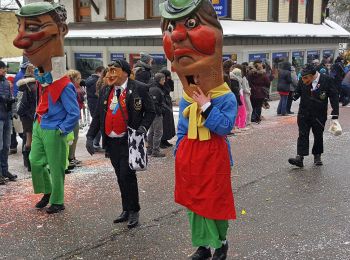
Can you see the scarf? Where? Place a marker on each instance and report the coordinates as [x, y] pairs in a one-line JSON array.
[[196, 121]]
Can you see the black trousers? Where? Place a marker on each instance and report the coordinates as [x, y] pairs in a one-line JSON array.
[[257, 105], [305, 123], [119, 154]]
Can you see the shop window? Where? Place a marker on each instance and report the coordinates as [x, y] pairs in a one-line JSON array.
[[86, 63], [298, 60], [273, 10], [116, 9], [152, 8], [293, 11], [249, 9], [159, 61], [82, 10], [313, 55], [309, 18]]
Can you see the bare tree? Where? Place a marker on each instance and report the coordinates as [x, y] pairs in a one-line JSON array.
[[339, 11]]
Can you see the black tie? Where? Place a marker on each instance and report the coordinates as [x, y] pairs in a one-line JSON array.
[[118, 92]]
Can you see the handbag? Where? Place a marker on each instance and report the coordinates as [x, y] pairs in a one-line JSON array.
[[138, 158], [335, 127]]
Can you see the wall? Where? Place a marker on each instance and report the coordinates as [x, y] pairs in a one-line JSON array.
[[262, 10], [283, 12], [8, 32], [317, 11], [237, 9], [301, 12]]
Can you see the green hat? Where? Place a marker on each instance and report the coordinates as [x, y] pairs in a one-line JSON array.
[[36, 9], [178, 9]]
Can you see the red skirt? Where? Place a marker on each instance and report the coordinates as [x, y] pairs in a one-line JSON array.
[[203, 178]]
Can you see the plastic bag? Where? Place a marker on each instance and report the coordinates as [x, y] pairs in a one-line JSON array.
[[335, 127]]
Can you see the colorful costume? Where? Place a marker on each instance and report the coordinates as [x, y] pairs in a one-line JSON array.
[[207, 113], [57, 109]]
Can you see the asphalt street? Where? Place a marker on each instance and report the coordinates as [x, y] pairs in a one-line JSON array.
[[283, 212]]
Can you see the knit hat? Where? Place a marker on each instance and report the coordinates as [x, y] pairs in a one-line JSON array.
[[123, 64], [308, 69], [237, 72], [145, 57], [2, 65], [158, 77]]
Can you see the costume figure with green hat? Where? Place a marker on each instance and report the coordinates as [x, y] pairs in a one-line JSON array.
[[41, 31], [192, 41]]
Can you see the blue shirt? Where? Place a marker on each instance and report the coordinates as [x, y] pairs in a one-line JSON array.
[[64, 114], [220, 121]]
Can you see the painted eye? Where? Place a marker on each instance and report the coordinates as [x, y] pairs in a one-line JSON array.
[[171, 27], [191, 23], [32, 28]]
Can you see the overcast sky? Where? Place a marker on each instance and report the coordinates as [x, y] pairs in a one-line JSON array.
[[9, 3]]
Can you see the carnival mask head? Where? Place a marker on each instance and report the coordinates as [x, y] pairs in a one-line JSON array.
[[41, 31], [117, 73], [192, 41]]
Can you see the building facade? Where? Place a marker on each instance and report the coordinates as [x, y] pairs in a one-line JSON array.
[[271, 30]]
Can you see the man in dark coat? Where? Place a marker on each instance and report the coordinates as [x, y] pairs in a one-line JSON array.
[[143, 68], [122, 103], [314, 90], [92, 98], [168, 116]]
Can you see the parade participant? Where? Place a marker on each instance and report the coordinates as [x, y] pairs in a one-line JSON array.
[[41, 30], [122, 103], [192, 41], [6, 112], [314, 91]]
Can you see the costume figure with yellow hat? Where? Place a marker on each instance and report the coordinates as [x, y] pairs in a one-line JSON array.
[[192, 41], [41, 31]]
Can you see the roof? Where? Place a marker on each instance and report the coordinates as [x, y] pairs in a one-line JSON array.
[[231, 28]]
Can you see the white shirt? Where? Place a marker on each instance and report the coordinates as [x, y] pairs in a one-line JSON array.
[[315, 81], [122, 88]]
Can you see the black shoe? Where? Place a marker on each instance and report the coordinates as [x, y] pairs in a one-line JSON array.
[[55, 208], [166, 143], [163, 146], [149, 152], [43, 202], [317, 160], [66, 171], [202, 253], [158, 154], [133, 219], [10, 176], [297, 161], [2, 180], [12, 151], [221, 253], [122, 217], [290, 113]]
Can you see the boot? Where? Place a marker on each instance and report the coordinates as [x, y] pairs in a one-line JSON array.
[[221, 253], [26, 160], [202, 253], [133, 219], [10, 176], [43, 202], [317, 160], [2, 180], [55, 208], [297, 161]]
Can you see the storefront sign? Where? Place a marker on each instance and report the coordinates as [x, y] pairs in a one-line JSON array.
[[328, 53], [313, 53], [298, 54], [158, 56], [117, 56], [221, 7], [258, 56], [280, 55], [88, 55], [226, 57]]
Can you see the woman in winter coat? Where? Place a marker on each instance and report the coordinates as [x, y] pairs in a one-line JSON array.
[[283, 87], [232, 83], [240, 123], [26, 106], [258, 82], [246, 94]]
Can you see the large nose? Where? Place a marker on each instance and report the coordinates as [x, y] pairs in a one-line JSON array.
[[179, 34], [21, 41]]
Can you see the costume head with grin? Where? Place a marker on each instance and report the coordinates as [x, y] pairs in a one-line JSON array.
[[192, 41], [41, 31]]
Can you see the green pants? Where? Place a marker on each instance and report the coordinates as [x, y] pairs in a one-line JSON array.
[[207, 232], [48, 161]]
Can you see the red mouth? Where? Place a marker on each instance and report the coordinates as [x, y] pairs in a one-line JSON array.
[[179, 52], [32, 52]]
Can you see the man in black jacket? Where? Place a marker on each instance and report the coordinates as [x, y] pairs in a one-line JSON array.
[[156, 130], [92, 98], [314, 90], [122, 103]]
